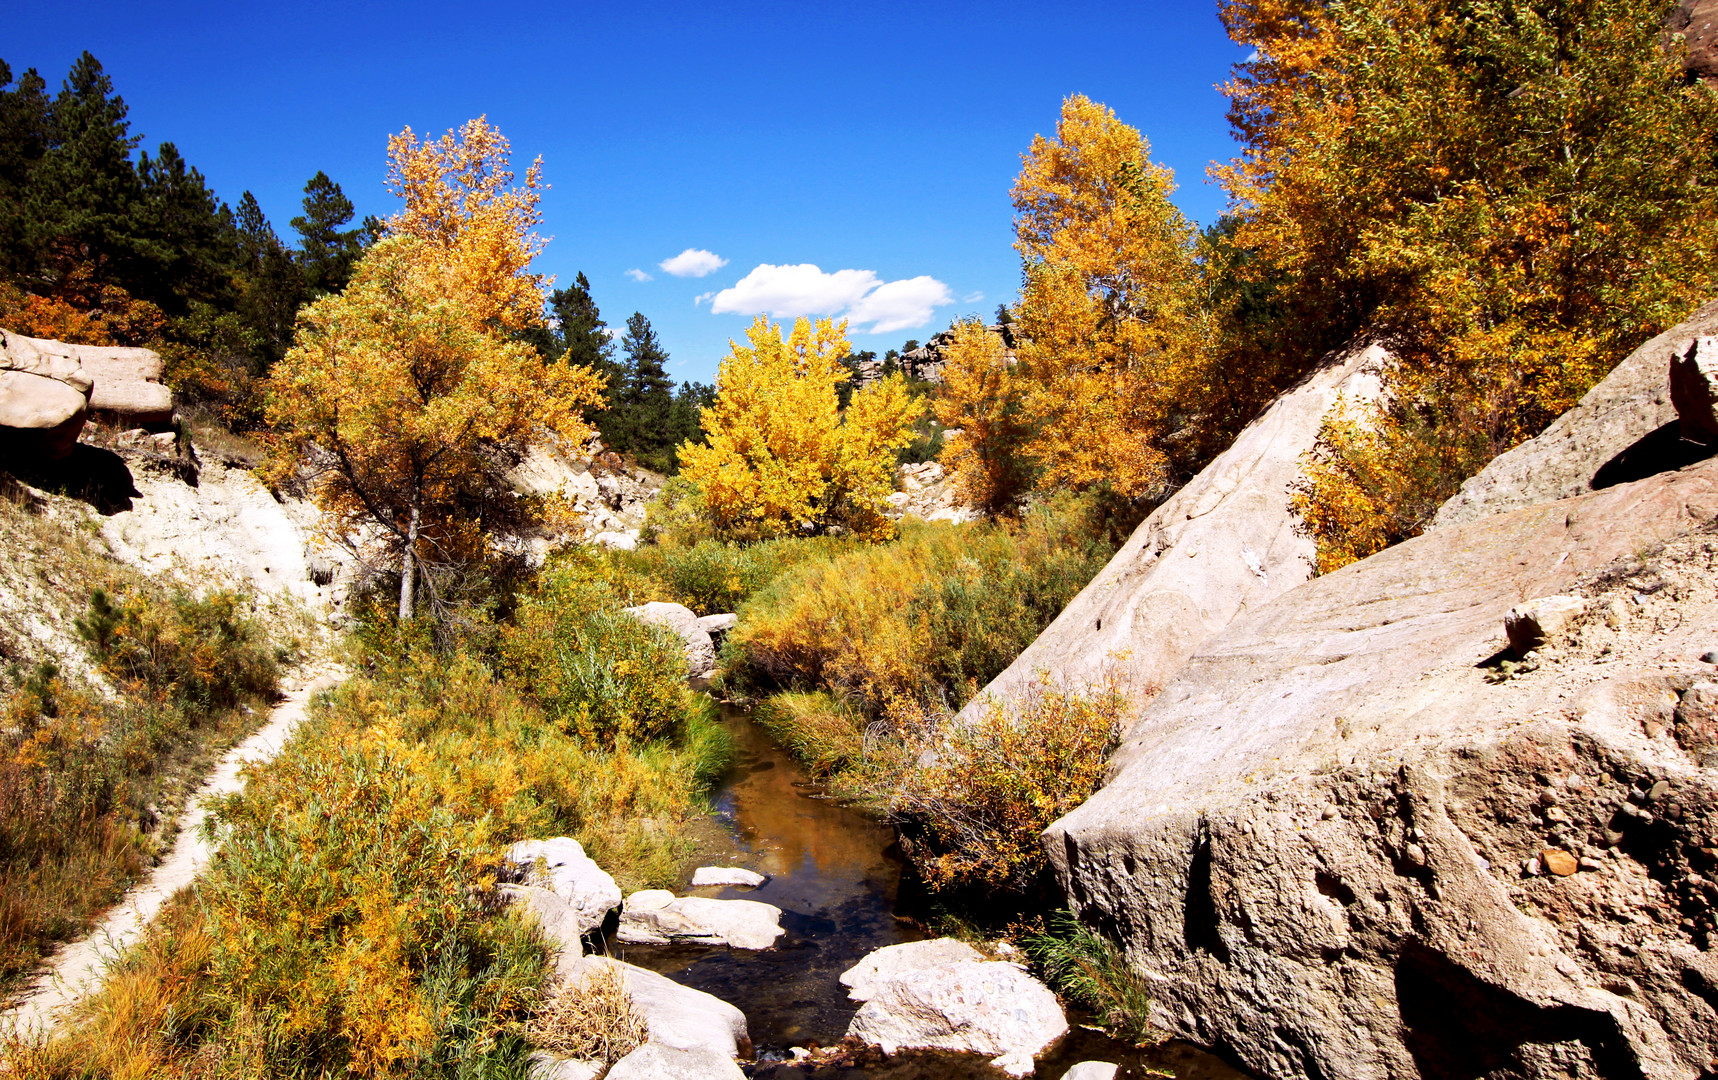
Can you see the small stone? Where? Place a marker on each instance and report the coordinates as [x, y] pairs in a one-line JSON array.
[[1531, 867], [1591, 864], [1414, 855], [727, 875], [1534, 624], [1328, 813], [1557, 816], [1710, 656], [1559, 862], [1658, 791]]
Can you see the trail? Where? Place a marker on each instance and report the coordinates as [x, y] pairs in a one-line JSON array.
[[77, 969]]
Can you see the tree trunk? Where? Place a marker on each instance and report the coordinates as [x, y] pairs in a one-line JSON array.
[[408, 568]]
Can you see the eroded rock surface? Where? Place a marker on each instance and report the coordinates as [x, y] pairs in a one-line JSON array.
[[936, 997], [1625, 428], [657, 917], [1224, 544], [1324, 842], [561, 866], [677, 1017]]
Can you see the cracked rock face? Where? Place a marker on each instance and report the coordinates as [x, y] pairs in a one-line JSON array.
[[1352, 839], [1224, 544]]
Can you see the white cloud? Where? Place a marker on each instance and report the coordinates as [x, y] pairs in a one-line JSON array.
[[701, 297], [804, 289], [638, 275], [972, 298], [693, 262]]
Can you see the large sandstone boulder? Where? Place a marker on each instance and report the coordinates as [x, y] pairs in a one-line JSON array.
[[930, 995], [1348, 839], [44, 398], [1624, 428], [677, 1017], [128, 388], [1222, 545]]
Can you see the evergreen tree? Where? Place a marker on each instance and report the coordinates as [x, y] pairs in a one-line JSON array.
[[81, 201], [686, 418], [23, 141], [641, 420], [270, 286], [327, 252], [189, 245]]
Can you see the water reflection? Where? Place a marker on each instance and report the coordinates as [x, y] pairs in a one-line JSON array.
[[836, 875]]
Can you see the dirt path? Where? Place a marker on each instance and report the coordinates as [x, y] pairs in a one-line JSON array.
[[77, 969]]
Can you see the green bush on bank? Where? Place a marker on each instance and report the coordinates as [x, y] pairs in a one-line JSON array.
[[928, 619]]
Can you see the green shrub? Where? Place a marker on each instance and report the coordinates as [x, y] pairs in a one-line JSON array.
[[85, 777], [1083, 966], [350, 924], [597, 671], [928, 619], [819, 731], [985, 791], [713, 576]]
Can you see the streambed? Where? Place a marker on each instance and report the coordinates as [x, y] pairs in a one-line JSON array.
[[837, 876]]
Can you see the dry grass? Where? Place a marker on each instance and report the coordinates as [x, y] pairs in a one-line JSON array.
[[591, 1019]]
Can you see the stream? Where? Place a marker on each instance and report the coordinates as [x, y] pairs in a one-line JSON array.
[[837, 877]]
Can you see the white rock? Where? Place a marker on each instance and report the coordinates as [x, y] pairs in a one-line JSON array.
[[653, 1061], [727, 875], [558, 921], [975, 1006], [647, 900], [718, 624], [619, 541], [700, 650], [1694, 387], [1091, 1070], [561, 866], [1539, 622], [743, 924], [677, 1017], [893, 961], [549, 1067]]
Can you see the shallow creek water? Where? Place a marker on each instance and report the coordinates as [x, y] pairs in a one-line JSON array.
[[837, 875]]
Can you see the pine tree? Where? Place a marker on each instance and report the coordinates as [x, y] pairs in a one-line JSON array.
[[327, 252], [190, 244], [642, 421], [80, 207], [270, 287], [23, 141]]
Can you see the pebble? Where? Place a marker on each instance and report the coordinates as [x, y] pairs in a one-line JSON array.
[[1710, 656], [1558, 862], [1659, 790]]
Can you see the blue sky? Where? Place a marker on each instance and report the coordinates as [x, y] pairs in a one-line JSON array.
[[875, 137]]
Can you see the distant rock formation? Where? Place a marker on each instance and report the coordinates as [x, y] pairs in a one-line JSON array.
[[925, 363]]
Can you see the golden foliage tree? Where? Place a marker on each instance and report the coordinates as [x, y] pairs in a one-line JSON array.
[[407, 394], [1514, 195], [982, 398], [1112, 320], [779, 457]]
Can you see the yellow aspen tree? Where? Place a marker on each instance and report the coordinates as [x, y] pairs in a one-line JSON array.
[[982, 398], [776, 458], [1111, 315], [407, 396]]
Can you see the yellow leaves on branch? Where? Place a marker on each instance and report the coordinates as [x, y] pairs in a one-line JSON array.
[[779, 458], [475, 225], [1111, 318], [408, 393], [982, 398]]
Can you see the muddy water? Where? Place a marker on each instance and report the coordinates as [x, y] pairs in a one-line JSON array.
[[836, 875]]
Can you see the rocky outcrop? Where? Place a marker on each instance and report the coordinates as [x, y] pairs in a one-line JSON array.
[[1696, 22], [1224, 544], [700, 649], [606, 494], [44, 398], [556, 920], [927, 492], [1625, 428], [930, 995], [561, 867], [677, 1017], [1326, 842], [658, 917]]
